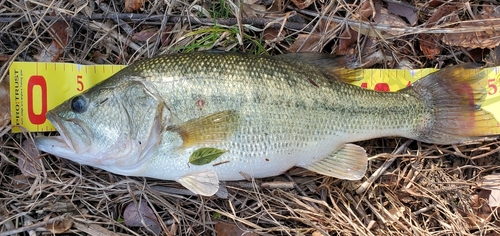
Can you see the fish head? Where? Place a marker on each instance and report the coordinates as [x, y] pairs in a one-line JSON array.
[[112, 127]]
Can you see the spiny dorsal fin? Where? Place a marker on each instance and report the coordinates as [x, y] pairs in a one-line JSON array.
[[210, 129], [347, 162], [340, 68]]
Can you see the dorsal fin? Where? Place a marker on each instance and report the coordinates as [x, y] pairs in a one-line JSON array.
[[333, 67]]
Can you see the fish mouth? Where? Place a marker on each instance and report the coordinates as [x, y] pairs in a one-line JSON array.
[[62, 138], [73, 133]]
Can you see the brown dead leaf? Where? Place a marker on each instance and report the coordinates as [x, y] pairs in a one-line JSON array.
[[429, 42], [21, 182], [436, 3], [60, 227], [490, 182], [273, 35], [479, 204], [301, 4], [99, 57], [83, 6], [494, 198], [253, 10], [27, 159], [133, 5], [347, 38], [61, 33], [382, 16], [49, 53], [395, 213], [481, 39], [145, 35], [478, 39], [366, 10], [134, 216], [317, 233], [230, 229], [429, 45], [326, 25], [403, 9], [350, 36], [306, 43], [443, 11]]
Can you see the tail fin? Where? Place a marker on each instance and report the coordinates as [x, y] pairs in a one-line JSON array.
[[455, 95]]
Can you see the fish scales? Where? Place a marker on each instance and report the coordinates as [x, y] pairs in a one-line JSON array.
[[278, 90], [284, 116], [260, 115]]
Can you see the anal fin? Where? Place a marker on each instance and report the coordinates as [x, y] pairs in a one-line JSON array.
[[347, 162], [203, 183]]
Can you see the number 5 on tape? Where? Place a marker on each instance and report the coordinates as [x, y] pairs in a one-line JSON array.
[[36, 87]]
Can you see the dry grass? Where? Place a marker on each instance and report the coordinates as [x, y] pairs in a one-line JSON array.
[[411, 188]]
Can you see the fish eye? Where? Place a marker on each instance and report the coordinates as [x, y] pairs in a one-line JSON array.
[[79, 104]]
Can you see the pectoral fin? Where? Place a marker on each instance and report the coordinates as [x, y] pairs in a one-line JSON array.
[[211, 129], [203, 183], [347, 162]]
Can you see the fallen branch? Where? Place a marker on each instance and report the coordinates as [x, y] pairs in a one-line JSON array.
[[156, 20]]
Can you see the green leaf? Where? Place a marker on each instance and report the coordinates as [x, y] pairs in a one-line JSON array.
[[204, 156], [217, 216]]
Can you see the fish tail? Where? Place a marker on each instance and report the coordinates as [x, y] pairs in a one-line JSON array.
[[454, 96]]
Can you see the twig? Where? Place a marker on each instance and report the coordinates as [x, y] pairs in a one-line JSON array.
[[425, 209], [34, 226], [278, 185], [486, 154], [127, 28], [261, 22], [155, 20], [439, 29], [94, 229], [301, 192], [176, 191], [359, 209], [382, 169]]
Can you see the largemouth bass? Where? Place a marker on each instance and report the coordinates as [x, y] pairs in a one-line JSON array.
[[202, 118]]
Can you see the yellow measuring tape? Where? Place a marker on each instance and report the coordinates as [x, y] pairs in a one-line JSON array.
[[37, 87]]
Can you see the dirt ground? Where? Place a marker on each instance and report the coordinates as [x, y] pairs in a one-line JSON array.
[[411, 188]]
